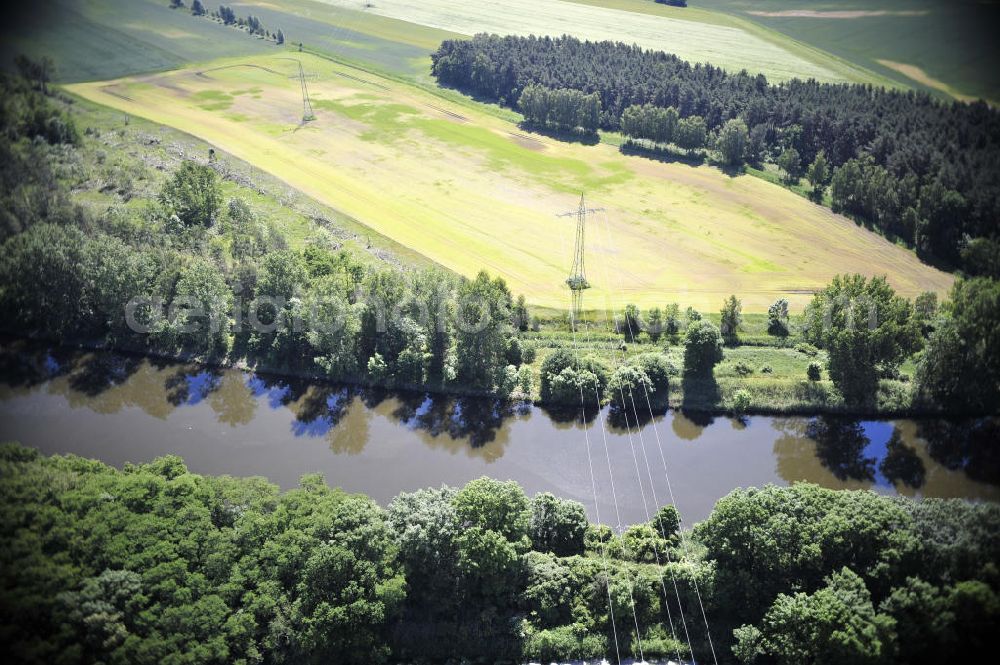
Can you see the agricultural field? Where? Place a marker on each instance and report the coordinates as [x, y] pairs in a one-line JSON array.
[[704, 37], [470, 190], [915, 42], [101, 39]]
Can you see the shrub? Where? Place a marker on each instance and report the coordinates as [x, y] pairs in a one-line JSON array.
[[630, 384], [564, 376], [742, 369], [514, 352], [807, 349], [193, 194], [766, 369], [528, 353], [741, 401], [657, 367], [814, 371], [702, 348]]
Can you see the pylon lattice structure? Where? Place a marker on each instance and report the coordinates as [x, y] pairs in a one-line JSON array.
[[577, 280], [307, 109]]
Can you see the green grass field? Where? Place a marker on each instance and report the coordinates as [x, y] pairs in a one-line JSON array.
[[470, 190], [946, 46], [696, 36]]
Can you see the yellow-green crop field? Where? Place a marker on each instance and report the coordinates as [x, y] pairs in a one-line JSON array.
[[470, 190]]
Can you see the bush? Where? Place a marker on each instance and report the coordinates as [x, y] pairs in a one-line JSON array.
[[766, 369], [563, 642], [659, 369], [193, 194], [630, 384], [814, 371], [514, 352], [528, 353], [741, 401], [557, 525], [807, 349], [563, 376], [742, 369], [702, 348]]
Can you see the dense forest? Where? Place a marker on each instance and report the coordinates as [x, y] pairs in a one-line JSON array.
[[154, 564], [922, 170]]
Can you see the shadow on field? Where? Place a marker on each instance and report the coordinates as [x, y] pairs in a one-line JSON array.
[[663, 155], [560, 135]]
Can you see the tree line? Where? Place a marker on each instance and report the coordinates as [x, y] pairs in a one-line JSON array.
[[914, 167], [211, 278], [152, 563], [865, 328], [227, 16], [565, 110]]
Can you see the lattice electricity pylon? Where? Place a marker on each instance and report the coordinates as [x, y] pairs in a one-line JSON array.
[[577, 280], [307, 109]]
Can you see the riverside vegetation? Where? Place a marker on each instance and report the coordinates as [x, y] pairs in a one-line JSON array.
[[152, 564], [67, 270]]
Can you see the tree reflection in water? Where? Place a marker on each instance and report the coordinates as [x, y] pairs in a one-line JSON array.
[[840, 446], [901, 463], [476, 419], [972, 446]]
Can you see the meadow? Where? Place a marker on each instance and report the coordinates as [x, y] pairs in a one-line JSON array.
[[470, 190], [703, 37]]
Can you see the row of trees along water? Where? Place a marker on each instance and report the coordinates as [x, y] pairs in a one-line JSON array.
[[68, 274], [912, 166], [152, 564]]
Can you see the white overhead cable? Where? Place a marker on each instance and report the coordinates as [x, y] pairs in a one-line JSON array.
[[593, 485], [656, 553], [685, 541]]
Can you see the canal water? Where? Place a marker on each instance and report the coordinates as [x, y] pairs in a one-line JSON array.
[[120, 408]]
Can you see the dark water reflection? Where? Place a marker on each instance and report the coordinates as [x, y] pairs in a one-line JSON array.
[[120, 408]]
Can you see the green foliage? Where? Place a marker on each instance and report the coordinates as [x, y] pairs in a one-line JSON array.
[[790, 162], [152, 563], [741, 401], [193, 194], [202, 304], [557, 525], [867, 330], [564, 109], [702, 349], [777, 318], [493, 505], [836, 624], [732, 142], [564, 377], [658, 369], [818, 172], [656, 124], [960, 370], [40, 284], [807, 349], [168, 565], [731, 317], [814, 372], [628, 387], [483, 312]]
